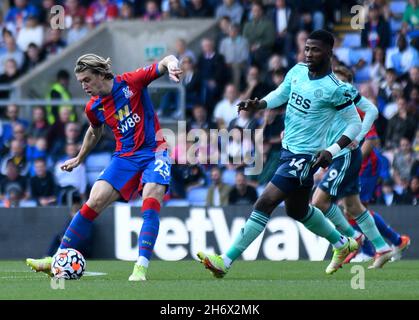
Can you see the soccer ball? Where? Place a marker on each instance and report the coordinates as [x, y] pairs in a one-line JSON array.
[[68, 264]]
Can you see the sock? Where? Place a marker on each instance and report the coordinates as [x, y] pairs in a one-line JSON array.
[[335, 215], [79, 229], [367, 247], [385, 230], [149, 230], [251, 230], [316, 222], [368, 227]]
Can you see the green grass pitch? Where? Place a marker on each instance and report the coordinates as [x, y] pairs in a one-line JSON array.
[[188, 280]]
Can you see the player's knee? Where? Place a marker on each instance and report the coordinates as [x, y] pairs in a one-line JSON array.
[[321, 204], [96, 202], [265, 205]]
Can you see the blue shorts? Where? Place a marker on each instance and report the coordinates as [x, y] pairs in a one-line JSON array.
[[341, 178], [368, 185], [129, 174], [294, 171]]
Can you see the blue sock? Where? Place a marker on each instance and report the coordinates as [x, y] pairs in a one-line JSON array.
[[149, 230], [385, 230], [79, 230]]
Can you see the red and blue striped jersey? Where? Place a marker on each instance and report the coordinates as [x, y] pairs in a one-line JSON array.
[[370, 165], [128, 111]]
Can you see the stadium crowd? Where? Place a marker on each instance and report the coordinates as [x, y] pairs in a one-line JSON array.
[[255, 44]]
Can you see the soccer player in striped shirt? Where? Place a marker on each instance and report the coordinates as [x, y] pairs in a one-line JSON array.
[[140, 162]]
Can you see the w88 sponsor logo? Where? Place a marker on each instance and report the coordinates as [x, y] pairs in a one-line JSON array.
[[129, 122]]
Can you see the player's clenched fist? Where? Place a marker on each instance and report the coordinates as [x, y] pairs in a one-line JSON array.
[[323, 159], [249, 105], [70, 164], [174, 71]]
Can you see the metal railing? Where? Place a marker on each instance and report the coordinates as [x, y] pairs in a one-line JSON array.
[[27, 104]]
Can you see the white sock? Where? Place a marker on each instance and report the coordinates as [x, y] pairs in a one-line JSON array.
[[357, 234], [227, 260], [340, 243], [142, 261]]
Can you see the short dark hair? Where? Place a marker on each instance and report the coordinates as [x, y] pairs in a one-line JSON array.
[[63, 74], [324, 36]]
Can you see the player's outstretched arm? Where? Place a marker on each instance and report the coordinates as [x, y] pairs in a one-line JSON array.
[[90, 140], [371, 113], [170, 64]]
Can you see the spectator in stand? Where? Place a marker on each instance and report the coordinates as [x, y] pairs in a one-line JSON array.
[[59, 90], [260, 33], [33, 56], [32, 32], [13, 187], [412, 195], [72, 135], [12, 118], [401, 125], [35, 148], [222, 30], [403, 57], [39, 126], [242, 193], [192, 82], [126, 11], [413, 104], [255, 88], [377, 32], [214, 72], [181, 51], [73, 8], [5, 26], [412, 81], [385, 90], [200, 119], [152, 12], [45, 11], [276, 63], [244, 120], [11, 73], [226, 109], [176, 10], [18, 14], [218, 192], [55, 42], [285, 19], [403, 160], [232, 9], [239, 150], [378, 69], [57, 130], [101, 11], [11, 52], [198, 9], [17, 155], [410, 17], [390, 109], [388, 196], [42, 185], [77, 178], [235, 50], [312, 16], [19, 133], [77, 31], [297, 54]]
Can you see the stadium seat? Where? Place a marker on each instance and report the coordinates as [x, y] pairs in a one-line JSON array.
[[229, 177], [395, 25], [177, 203], [360, 53], [362, 75], [197, 196], [352, 40], [398, 7], [95, 164]]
